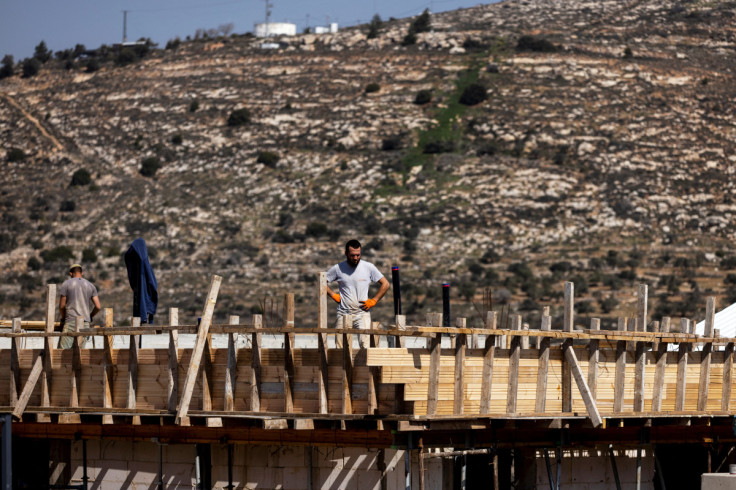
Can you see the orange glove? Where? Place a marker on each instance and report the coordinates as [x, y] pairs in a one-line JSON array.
[[368, 304], [336, 297]]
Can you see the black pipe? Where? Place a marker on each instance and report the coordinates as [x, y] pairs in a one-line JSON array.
[[397, 289], [446, 304], [85, 478], [7, 452]]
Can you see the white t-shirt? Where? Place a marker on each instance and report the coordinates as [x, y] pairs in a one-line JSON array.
[[353, 283]]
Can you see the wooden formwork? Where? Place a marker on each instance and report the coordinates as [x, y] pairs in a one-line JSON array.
[[481, 375]]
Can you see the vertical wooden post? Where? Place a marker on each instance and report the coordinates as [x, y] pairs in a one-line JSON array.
[[374, 376], [48, 349], [435, 352], [322, 300], [459, 391], [231, 371], [659, 370], [683, 349], [398, 342], [620, 377], [133, 375], [289, 353], [514, 358], [543, 366], [173, 384], [639, 375], [710, 309], [593, 354], [15, 347], [642, 308], [108, 373], [347, 368], [255, 365], [75, 378], [567, 326], [525, 339], [489, 351], [727, 377], [400, 325], [194, 364]]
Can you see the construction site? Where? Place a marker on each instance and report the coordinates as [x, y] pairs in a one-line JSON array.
[[238, 405]]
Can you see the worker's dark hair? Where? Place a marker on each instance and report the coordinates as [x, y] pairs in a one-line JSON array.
[[352, 244], [74, 270]]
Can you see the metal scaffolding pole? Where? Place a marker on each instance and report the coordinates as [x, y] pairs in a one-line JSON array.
[[7, 452]]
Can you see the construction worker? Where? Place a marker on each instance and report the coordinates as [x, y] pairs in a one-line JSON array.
[[354, 276], [76, 294]]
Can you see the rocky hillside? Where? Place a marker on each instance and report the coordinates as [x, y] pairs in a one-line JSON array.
[[603, 153]]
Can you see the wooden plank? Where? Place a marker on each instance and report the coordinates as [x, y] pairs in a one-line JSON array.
[[15, 364], [347, 369], [323, 376], [660, 369], [460, 346], [434, 374], [255, 366], [593, 357], [489, 351], [231, 371], [400, 322], [620, 376], [543, 366], [208, 382], [590, 405], [567, 326], [514, 356], [75, 378], [641, 307], [710, 308], [199, 345], [28, 388], [682, 353], [374, 380], [640, 360], [322, 300], [173, 371], [400, 325], [289, 354], [108, 366], [132, 392], [525, 339], [727, 377], [48, 348]]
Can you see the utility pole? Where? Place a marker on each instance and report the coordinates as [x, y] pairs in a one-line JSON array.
[[125, 26], [268, 16]]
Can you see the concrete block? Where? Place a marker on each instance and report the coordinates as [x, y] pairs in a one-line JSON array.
[[326, 457], [337, 479], [369, 479], [111, 449], [290, 456], [717, 481], [258, 456], [260, 477], [359, 459], [589, 469], [143, 473], [294, 478], [145, 451], [179, 453], [179, 475]]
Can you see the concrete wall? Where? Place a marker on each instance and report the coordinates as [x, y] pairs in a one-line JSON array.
[[113, 464]]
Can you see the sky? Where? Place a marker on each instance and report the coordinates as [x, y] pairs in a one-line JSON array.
[[62, 24]]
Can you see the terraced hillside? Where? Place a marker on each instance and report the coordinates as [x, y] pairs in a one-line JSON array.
[[603, 153]]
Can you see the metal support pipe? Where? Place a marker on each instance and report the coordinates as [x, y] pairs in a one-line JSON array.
[[309, 468], [160, 483], [638, 467], [549, 469], [559, 467], [7, 452], [658, 466], [407, 462], [615, 468], [446, 304], [230, 467], [85, 478], [391, 339]]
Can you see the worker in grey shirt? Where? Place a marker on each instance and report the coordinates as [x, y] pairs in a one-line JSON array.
[[76, 294], [354, 276]]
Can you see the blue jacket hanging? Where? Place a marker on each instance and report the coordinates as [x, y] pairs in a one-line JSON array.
[[142, 281]]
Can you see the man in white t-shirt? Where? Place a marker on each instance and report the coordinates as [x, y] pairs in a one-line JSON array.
[[354, 276], [76, 295]]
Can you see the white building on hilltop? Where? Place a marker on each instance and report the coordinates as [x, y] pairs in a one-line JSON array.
[[266, 29]]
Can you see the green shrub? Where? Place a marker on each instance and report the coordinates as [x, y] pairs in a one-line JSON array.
[[239, 117], [89, 255], [374, 28], [81, 177], [93, 64], [440, 146], [33, 264], [41, 52], [8, 66], [149, 166], [628, 54], [126, 56], [316, 229], [62, 252], [475, 93], [173, 43], [31, 67], [372, 87], [423, 97], [608, 304], [67, 206], [423, 23], [7, 242], [409, 39], [268, 158], [538, 44], [391, 144], [16, 155], [177, 139], [194, 105]]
